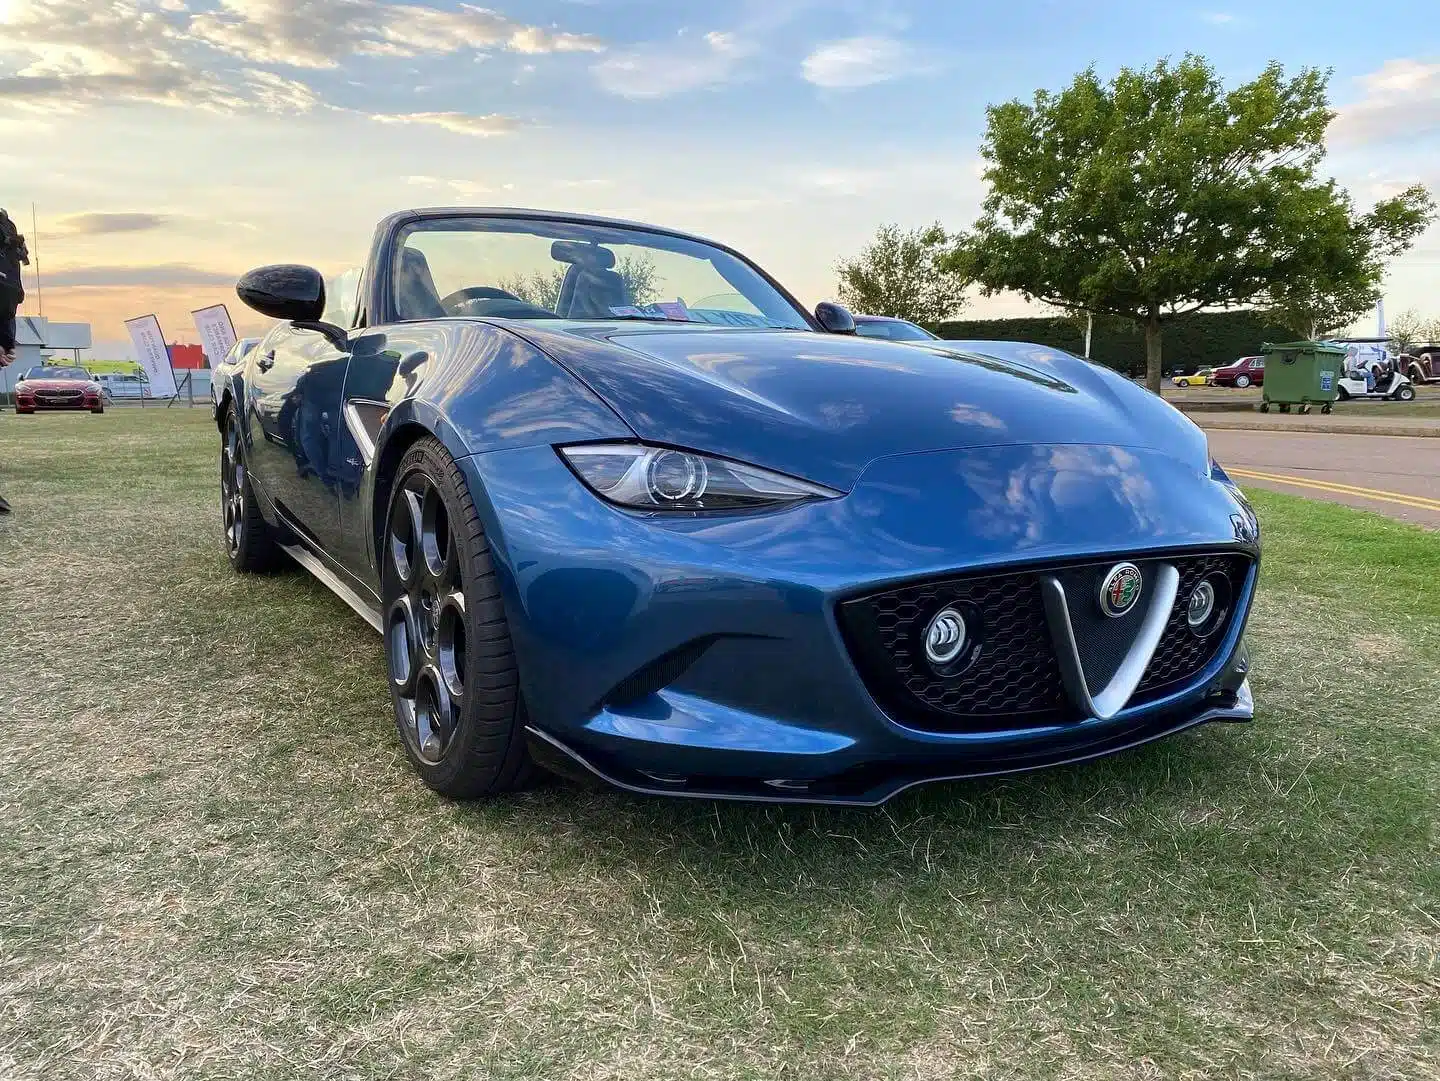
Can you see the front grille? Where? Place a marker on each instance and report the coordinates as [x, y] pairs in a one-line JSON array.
[[1181, 655], [1013, 679], [57, 398]]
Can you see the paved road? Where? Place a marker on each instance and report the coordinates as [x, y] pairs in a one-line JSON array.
[[1389, 474]]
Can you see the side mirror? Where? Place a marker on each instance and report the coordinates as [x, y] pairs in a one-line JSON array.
[[285, 291], [834, 319]]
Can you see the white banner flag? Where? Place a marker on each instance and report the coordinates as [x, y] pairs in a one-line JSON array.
[[154, 357], [217, 333]]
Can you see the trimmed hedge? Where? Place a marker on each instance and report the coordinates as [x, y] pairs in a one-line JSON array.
[[1205, 339]]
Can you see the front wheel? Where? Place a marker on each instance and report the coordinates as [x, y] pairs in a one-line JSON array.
[[1405, 394], [453, 678], [1242, 381]]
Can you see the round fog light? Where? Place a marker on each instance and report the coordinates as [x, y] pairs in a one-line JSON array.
[[1202, 606], [946, 636]]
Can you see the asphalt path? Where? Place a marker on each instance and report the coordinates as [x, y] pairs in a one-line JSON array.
[[1393, 475]]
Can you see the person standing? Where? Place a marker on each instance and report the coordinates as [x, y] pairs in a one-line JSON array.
[[13, 255]]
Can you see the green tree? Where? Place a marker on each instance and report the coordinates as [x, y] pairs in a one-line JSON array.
[[1341, 261], [1156, 194], [900, 274], [540, 288], [640, 276], [1411, 328]]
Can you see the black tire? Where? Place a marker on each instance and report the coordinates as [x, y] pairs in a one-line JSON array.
[[249, 543], [1264, 407], [453, 679], [1405, 394], [1242, 381], [1327, 409], [1343, 395], [98, 411]]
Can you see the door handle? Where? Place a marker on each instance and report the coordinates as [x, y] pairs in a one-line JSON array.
[[266, 362]]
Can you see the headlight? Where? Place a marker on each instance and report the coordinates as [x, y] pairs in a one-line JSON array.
[[660, 478]]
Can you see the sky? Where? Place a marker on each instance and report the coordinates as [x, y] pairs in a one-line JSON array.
[[170, 145]]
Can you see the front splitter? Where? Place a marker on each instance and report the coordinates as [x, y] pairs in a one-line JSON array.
[[873, 785]]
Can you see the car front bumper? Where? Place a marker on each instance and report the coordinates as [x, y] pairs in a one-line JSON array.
[[704, 656]]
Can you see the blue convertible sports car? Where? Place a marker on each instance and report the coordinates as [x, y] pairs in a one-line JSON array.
[[621, 508]]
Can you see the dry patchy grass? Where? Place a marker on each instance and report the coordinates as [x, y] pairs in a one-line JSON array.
[[216, 864]]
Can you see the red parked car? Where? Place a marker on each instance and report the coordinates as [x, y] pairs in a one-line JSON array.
[[1245, 372], [58, 388]]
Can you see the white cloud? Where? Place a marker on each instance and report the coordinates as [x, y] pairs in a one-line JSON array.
[[99, 224], [660, 70], [862, 61], [322, 33], [78, 53], [85, 52], [1218, 18], [1401, 102], [459, 123], [462, 188]]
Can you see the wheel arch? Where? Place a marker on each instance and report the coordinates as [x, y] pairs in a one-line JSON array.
[[407, 424]]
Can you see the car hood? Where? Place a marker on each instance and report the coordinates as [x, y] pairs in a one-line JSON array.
[[823, 407]]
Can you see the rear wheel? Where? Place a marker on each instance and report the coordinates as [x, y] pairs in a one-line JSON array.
[[1405, 394], [1343, 395], [453, 679], [248, 540], [1242, 381]]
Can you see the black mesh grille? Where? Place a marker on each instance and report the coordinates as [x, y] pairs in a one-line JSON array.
[[1182, 655], [1103, 641], [1012, 679]]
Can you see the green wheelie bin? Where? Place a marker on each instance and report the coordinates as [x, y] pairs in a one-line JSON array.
[[1302, 374]]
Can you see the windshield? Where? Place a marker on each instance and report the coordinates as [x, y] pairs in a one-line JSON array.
[[896, 330], [57, 373], [516, 269]]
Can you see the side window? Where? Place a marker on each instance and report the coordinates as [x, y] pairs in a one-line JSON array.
[[342, 298], [1258, 365]]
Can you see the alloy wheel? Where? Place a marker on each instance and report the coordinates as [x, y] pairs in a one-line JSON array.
[[425, 625], [232, 489]]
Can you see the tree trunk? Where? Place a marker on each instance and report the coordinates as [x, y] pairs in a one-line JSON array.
[[1152, 352]]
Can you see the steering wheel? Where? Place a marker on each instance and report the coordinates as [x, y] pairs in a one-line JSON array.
[[475, 292]]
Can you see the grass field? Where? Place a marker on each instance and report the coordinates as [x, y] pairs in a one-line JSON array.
[[215, 862]]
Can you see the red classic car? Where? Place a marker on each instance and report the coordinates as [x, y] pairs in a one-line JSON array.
[[1245, 372], [58, 388]]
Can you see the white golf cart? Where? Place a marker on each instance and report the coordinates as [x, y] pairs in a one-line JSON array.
[[1389, 379], [1394, 385]]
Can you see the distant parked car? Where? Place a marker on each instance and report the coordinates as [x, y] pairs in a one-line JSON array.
[[1200, 378], [126, 385], [1422, 362], [892, 330], [57, 388], [1245, 372]]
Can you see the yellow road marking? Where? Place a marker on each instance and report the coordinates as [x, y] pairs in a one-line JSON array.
[[1418, 502]]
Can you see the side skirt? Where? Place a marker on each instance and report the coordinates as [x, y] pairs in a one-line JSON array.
[[333, 582]]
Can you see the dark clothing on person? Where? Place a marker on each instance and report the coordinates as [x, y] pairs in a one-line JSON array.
[[12, 293], [14, 253]]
